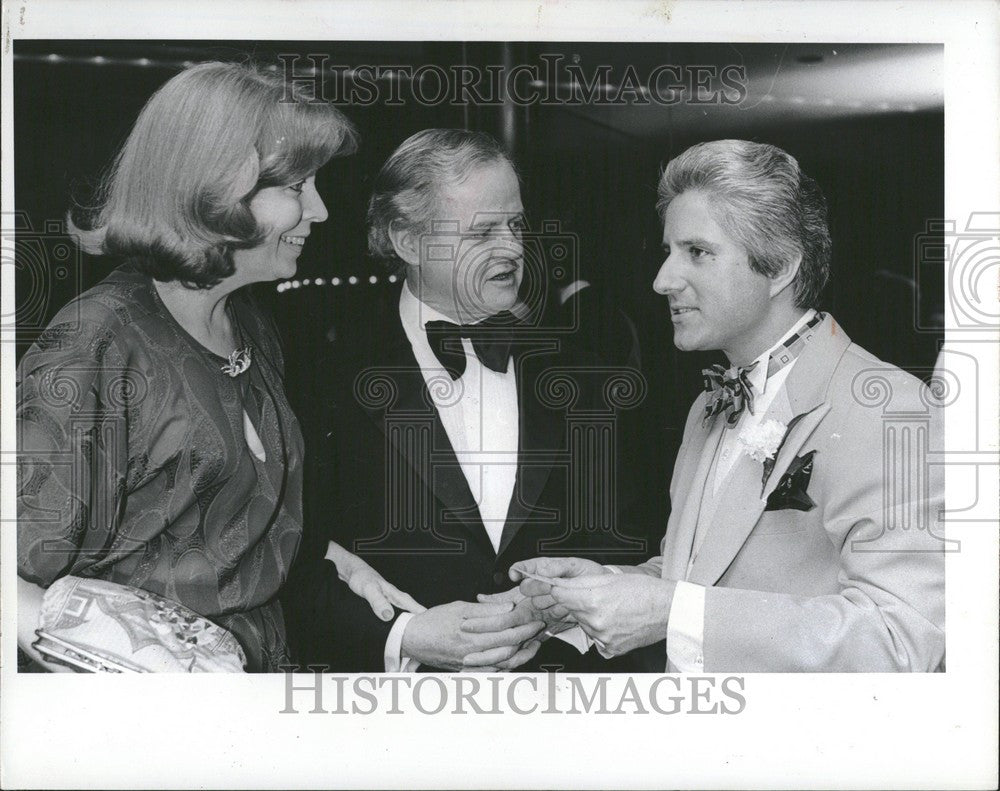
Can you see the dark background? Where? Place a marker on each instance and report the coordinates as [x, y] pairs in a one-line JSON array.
[[865, 121]]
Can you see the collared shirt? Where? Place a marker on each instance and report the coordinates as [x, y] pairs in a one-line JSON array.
[[479, 412], [686, 623]]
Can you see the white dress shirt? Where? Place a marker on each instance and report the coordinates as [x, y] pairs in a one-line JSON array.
[[480, 416], [479, 412], [686, 623]]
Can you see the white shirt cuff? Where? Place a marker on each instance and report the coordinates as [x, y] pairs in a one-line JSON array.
[[395, 662], [576, 637], [686, 628]]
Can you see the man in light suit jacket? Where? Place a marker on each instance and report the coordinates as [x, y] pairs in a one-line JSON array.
[[804, 532]]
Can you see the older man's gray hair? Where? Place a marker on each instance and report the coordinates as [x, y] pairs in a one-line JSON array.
[[405, 189]]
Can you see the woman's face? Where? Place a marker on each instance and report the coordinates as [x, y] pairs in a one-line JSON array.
[[285, 214]]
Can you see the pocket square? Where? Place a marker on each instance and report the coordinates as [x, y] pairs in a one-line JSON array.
[[791, 490]]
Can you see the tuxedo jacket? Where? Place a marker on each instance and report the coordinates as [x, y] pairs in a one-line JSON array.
[[599, 324], [385, 483], [844, 569]]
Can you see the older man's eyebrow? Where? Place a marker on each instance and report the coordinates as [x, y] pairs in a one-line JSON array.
[[696, 242], [486, 220], [494, 220]]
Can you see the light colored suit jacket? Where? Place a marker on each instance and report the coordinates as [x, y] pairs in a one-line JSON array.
[[856, 583]]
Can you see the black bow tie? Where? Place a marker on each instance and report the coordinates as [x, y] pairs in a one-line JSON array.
[[491, 341]]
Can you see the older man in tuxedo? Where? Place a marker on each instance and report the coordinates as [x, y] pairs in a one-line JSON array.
[[443, 453], [803, 534]]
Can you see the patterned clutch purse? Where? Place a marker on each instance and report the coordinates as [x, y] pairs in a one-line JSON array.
[[102, 627]]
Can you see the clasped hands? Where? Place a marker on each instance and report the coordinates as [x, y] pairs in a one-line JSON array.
[[618, 612], [496, 633], [499, 632]]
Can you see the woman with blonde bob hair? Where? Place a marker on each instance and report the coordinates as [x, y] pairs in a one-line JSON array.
[[157, 447]]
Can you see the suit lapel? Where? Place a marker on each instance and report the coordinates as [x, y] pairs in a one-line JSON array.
[[538, 441], [800, 428], [693, 468], [737, 511], [431, 456], [801, 405]]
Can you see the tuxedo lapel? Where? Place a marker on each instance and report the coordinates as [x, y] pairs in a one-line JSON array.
[[537, 446], [801, 406], [429, 453], [809, 380]]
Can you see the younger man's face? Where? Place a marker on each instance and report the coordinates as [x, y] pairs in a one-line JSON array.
[[716, 300]]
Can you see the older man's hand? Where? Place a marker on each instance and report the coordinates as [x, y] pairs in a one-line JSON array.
[[435, 637], [553, 624], [505, 657], [620, 612]]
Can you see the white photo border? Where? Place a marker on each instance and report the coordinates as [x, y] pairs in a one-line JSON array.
[[795, 731]]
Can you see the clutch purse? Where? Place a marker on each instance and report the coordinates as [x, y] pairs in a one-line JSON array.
[[97, 626]]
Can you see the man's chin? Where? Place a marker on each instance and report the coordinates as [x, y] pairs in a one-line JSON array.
[[501, 303], [687, 343]]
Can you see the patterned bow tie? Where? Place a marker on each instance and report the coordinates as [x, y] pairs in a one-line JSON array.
[[491, 341], [729, 389]]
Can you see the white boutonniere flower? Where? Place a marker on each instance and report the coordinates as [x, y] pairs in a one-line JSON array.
[[761, 442]]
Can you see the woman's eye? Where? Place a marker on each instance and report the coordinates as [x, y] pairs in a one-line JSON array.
[[298, 186]]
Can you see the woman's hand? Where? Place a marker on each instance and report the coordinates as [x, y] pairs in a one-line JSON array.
[[367, 583], [29, 608]]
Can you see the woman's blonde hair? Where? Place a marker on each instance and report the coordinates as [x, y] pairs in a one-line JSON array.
[[176, 200]]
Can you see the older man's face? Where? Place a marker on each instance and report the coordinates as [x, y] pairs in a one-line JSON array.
[[471, 263], [716, 300]]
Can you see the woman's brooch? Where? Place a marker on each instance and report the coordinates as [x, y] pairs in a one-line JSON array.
[[239, 361]]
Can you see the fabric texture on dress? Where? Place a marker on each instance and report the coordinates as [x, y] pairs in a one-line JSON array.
[[134, 465]]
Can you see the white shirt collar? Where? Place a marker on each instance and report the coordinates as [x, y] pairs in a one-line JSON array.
[[415, 314], [758, 376]]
